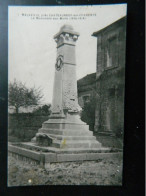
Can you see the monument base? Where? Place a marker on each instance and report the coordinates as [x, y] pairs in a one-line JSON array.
[[61, 140], [66, 133], [43, 156]]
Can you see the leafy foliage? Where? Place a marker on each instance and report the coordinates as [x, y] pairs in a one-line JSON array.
[[20, 95], [43, 110], [88, 113]]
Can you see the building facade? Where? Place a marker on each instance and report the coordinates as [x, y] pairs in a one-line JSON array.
[[110, 78], [86, 88]]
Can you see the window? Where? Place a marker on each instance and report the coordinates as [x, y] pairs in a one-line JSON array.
[[112, 52]]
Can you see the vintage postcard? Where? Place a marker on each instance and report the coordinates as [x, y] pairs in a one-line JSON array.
[[66, 76]]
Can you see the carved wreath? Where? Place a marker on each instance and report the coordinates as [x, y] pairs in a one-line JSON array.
[[59, 62]]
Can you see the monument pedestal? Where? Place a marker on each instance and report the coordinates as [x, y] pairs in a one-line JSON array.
[[65, 133]]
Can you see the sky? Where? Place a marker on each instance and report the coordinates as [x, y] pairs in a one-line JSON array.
[[32, 50]]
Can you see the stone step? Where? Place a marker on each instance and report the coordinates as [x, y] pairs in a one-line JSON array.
[[71, 126], [81, 150], [68, 120], [62, 137], [61, 155], [76, 144], [65, 132], [33, 146]]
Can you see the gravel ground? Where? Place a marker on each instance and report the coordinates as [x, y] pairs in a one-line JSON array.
[[100, 172]]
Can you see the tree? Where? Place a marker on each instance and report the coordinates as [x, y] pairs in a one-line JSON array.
[[20, 95]]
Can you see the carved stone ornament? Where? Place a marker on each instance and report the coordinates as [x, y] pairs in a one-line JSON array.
[[70, 97], [59, 62]]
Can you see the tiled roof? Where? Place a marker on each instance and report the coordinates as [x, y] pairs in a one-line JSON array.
[[123, 19], [88, 79]]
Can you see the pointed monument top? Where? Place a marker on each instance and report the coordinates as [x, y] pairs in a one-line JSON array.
[[66, 29]]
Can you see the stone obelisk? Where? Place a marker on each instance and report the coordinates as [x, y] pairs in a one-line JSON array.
[[65, 99], [64, 129]]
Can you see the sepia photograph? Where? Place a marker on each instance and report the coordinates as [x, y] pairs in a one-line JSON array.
[[66, 94]]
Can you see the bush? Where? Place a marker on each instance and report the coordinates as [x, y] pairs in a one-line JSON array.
[[24, 126], [43, 110], [88, 113]]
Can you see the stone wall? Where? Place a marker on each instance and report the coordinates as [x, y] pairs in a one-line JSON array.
[[110, 78], [24, 126], [110, 141], [110, 106]]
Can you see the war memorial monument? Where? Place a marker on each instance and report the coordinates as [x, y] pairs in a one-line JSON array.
[[64, 137]]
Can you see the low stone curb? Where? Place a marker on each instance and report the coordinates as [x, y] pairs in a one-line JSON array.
[[44, 159]]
